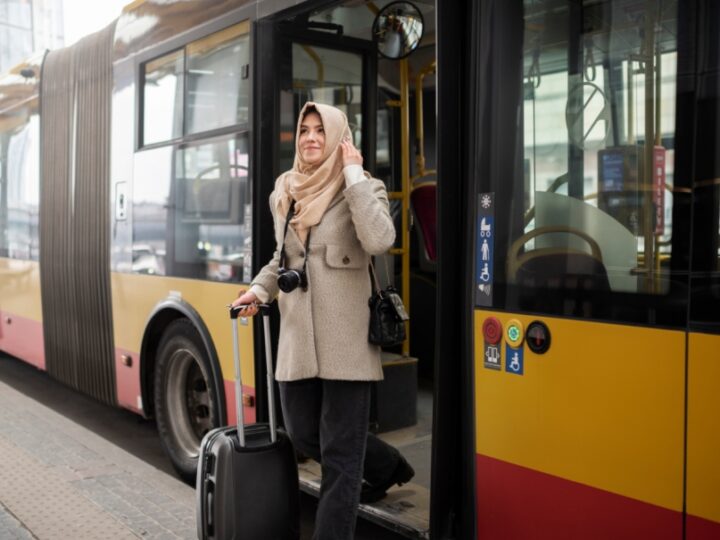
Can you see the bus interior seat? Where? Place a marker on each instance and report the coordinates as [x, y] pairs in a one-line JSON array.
[[557, 267], [423, 202]]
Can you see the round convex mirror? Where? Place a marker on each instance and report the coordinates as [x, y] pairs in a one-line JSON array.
[[397, 29]]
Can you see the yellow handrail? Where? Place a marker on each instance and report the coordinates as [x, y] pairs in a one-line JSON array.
[[404, 194], [420, 120]]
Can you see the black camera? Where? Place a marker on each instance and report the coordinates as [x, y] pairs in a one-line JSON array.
[[289, 279]]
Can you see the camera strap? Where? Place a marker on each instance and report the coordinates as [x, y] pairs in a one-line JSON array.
[[290, 214]]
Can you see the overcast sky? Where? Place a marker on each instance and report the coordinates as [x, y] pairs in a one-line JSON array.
[[84, 17]]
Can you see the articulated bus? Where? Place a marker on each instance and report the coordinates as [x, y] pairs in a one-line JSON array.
[[553, 171]]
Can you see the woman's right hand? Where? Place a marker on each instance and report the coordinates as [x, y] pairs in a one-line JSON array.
[[248, 299]]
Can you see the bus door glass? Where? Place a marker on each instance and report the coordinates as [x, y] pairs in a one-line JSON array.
[[581, 271], [325, 67]]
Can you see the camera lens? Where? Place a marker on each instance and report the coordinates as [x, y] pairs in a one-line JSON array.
[[288, 280]]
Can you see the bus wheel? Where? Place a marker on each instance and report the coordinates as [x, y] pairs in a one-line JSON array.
[[186, 405]]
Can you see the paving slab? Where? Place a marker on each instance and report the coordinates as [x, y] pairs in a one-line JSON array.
[[58, 480]]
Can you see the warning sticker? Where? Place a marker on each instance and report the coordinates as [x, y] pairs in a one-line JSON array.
[[484, 250], [493, 359]]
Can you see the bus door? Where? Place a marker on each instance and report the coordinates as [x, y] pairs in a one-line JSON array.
[[327, 55], [703, 367], [581, 268]]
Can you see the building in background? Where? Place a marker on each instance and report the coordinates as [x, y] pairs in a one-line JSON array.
[[27, 26]]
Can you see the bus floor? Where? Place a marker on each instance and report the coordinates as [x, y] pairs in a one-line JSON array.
[[406, 509]]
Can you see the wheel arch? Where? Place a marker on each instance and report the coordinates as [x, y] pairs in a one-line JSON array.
[[164, 313]]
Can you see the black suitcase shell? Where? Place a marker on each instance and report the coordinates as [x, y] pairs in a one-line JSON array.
[[247, 480], [247, 492]]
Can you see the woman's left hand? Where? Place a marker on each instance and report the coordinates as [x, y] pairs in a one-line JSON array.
[[350, 154]]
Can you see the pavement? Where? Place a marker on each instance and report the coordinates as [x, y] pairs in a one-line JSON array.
[[59, 480]]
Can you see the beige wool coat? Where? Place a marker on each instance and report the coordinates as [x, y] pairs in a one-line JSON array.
[[324, 330]]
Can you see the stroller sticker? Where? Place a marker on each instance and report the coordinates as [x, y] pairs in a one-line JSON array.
[[484, 243]]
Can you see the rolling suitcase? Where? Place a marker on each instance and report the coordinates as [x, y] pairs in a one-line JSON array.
[[247, 481]]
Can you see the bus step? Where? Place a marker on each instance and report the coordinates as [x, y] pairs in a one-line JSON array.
[[405, 510]]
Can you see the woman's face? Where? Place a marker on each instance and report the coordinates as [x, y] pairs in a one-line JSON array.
[[312, 138]]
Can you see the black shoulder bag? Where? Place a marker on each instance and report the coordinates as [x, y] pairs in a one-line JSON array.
[[387, 315]]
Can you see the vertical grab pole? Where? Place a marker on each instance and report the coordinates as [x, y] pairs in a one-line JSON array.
[[269, 369], [406, 188], [238, 382]]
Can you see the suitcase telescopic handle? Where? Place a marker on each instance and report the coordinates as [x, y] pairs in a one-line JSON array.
[[265, 311]]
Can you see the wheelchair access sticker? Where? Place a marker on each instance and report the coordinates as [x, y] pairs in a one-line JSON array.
[[484, 249], [514, 360]]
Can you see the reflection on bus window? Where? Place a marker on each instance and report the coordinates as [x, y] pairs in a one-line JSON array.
[[19, 189], [599, 121], [162, 98], [206, 231], [212, 237], [218, 80], [202, 87]]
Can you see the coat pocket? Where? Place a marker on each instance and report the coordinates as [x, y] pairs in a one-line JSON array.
[[345, 257]]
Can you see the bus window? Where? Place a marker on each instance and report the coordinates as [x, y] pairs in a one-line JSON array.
[[213, 236], [203, 87], [218, 80], [592, 196], [19, 190], [207, 232], [162, 98]]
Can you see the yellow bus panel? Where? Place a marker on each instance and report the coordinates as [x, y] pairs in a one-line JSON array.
[[603, 407], [135, 297], [703, 431]]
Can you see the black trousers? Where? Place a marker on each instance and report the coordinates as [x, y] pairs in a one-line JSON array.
[[327, 420]]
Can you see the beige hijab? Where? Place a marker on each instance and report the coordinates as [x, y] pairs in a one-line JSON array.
[[313, 187]]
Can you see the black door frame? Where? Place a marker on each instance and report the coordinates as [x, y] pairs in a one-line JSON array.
[[452, 499]]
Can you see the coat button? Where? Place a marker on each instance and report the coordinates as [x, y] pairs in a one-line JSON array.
[[346, 260], [302, 253]]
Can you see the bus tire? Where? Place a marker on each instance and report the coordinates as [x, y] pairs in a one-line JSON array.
[[186, 404]]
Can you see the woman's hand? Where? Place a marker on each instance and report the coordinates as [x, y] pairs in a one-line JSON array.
[[248, 299], [350, 154]]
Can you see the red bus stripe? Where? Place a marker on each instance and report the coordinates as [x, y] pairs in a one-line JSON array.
[[698, 528], [514, 502], [23, 338], [128, 381]]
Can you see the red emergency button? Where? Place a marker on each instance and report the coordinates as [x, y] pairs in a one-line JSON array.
[[492, 330], [538, 337]]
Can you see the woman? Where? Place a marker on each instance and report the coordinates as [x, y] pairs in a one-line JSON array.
[[338, 218]]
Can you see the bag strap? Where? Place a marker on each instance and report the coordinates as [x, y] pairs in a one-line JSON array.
[[378, 290]]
